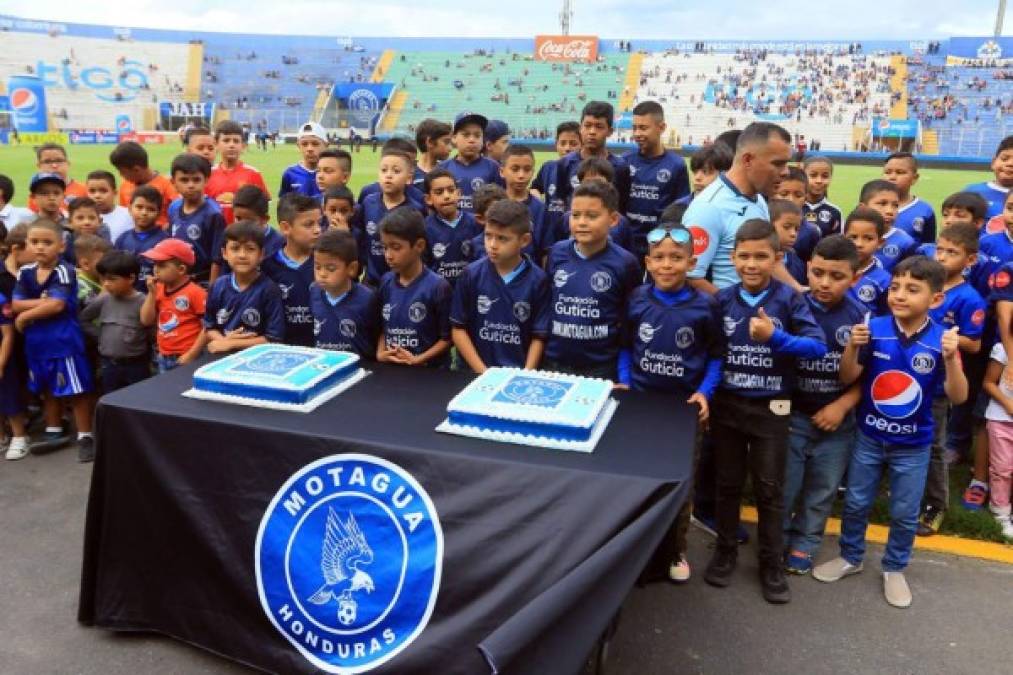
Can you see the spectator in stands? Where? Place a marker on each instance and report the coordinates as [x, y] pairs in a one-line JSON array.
[[231, 174], [470, 169], [52, 158], [433, 140], [200, 141], [301, 177], [497, 139], [102, 190], [131, 160]]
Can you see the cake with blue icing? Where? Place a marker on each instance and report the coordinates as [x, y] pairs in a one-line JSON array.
[[277, 376], [531, 407]]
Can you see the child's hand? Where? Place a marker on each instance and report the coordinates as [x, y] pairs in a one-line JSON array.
[[619, 386], [22, 322], [761, 328], [219, 346], [704, 415], [240, 332], [184, 359], [386, 354], [150, 283], [402, 355], [829, 417], [859, 335], [951, 343]]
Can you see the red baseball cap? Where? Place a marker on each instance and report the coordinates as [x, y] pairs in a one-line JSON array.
[[171, 249]]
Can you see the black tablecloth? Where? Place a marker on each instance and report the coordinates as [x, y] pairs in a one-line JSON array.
[[541, 547]]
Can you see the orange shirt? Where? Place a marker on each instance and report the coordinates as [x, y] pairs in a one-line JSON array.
[[72, 192], [225, 183], [180, 315], [160, 183]]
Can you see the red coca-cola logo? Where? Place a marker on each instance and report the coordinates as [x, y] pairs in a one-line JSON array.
[[566, 48]]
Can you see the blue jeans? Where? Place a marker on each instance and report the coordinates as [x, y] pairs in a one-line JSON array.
[[816, 464], [166, 363], [907, 468]]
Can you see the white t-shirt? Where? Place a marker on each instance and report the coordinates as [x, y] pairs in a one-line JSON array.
[[118, 221], [995, 411], [15, 215]]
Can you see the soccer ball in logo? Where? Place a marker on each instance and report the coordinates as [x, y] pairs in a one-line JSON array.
[[842, 335], [923, 363], [347, 328], [24, 101], [560, 278], [522, 311], [417, 312], [601, 281], [684, 337], [439, 250], [645, 332], [664, 175], [866, 293], [476, 184], [824, 216], [347, 610], [251, 317]]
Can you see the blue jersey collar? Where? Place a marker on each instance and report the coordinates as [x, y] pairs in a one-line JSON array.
[[738, 193]]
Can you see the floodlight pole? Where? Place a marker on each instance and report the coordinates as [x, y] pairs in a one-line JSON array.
[[567, 13], [999, 17]]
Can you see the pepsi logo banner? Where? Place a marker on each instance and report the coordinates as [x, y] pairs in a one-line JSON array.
[[566, 47], [27, 100]]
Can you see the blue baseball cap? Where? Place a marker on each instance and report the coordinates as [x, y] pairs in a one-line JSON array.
[[495, 130], [469, 118], [46, 177]]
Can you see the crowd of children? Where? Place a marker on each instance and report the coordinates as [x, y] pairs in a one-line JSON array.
[[839, 346]]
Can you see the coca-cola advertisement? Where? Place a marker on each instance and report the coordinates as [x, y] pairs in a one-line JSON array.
[[566, 47]]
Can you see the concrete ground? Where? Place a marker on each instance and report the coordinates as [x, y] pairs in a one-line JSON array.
[[959, 623]]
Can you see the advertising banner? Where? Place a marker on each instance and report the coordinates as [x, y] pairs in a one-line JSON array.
[[887, 128], [27, 100], [362, 101], [566, 47]]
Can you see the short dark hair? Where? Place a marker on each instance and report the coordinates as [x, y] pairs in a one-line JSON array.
[[196, 131], [253, 198], [569, 127], [294, 203], [404, 223], [49, 146], [393, 152], [866, 215], [438, 172], [758, 229], [517, 151], [797, 175], [1004, 145], [6, 188], [148, 193], [102, 174], [597, 190], [923, 269], [652, 108], [601, 110], [729, 139], [46, 224], [485, 196], [964, 235], [595, 165], [81, 203], [18, 236], [430, 130], [339, 192], [903, 155], [969, 201], [190, 163], [129, 154], [838, 247], [780, 207], [229, 128], [402, 145], [340, 154], [716, 157], [760, 132], [809, 160], [246, 231], [673, 214], [874, 187], [340, 244], [117, 263], [86, 244], [511, 215]]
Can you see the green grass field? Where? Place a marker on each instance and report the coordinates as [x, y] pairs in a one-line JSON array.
[[19, 164]]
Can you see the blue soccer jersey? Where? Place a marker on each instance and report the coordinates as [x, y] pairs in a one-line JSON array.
[[502, 316], [899, 378], [297, 178], [655, 183], [766, 370], [365, 224], [274, 241], [621, 234], [137, 242], [671, 344], [897, 245], [449, 246], [962, 307], [588, 303], [818, 381], [200, 228], [412, 192], [824, 215], [293, 280], [471, 177], [350, 322], [993, 193], [796, 267], [917, 219], [567, 180], [871, 288], [994, 251], [545, 183], [808, 236], [257, 308], [57, 336], [416, 316]]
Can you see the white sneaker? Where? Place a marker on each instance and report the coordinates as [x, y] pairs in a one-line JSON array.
[[679, 570], [1007, 526], [17, 449], [896, 590], [835, 570]]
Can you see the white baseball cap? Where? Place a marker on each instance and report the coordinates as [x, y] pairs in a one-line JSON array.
[[314, 129]]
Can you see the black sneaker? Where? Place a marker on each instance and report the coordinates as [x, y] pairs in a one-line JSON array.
[[86, 449], [49, 441], [720, 568], [775, 585], [930, 521]]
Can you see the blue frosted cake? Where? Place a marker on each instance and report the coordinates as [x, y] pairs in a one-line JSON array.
[[531, 407], [277, 376]]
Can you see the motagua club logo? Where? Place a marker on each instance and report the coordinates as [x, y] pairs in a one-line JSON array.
[[348, 558]]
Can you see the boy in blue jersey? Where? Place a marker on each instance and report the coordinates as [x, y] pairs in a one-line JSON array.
[[500, 311], [346, 316], [672, 342], [900, 359], [339, 206], [45, 306], [244, 307], [994, 192], [884, 197], [786, 217], [432, 139], [469, 167], [414, 300], [413, 191], [301, 177], [995, 251], [865, 228], [817, 210], [291, 268], [517, 169], [822, 422], [591, 279], [705, 165], [964, 308], [193, 217], [965, 207], [596, 120], [334, 169], [914, 216], [145, 206], [657, 176], [496, 140], [252, 205], [47, 190], [395, 174], [793, 188], [767, 326], [567, 141], [449, 231]]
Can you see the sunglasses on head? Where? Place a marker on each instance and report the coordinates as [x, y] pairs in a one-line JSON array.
[[679, 235]]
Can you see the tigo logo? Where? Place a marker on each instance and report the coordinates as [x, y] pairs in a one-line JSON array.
[[896, 394], [24, 101]]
